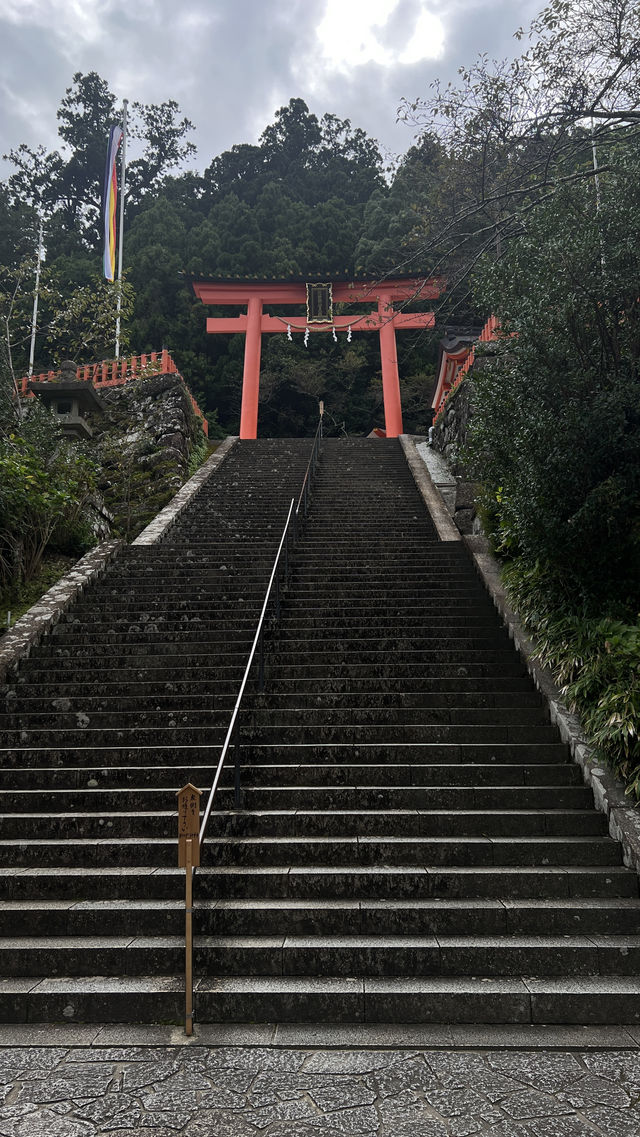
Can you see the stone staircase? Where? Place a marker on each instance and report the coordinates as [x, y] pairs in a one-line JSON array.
[[413, 845]]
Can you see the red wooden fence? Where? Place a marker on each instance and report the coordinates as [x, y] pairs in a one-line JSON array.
[[117, 372]]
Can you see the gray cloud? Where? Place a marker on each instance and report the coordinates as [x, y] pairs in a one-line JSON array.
[[230, 63]]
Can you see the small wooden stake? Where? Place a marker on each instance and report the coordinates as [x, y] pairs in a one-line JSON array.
[[188, 939], [188, 859]]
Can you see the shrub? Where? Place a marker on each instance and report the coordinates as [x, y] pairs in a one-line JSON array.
[[595, 660], [46, 484]]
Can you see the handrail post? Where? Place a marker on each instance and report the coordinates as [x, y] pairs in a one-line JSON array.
[[188, 939], [188, 859]]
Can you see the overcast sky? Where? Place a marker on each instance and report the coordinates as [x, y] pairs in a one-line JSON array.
[[231, 63]]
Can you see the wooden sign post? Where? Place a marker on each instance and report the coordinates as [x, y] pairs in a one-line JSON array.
[[188, 859]]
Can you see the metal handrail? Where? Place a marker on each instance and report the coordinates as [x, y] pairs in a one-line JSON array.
[[190, 840], [258, 636], [311, 467], [293, 520]]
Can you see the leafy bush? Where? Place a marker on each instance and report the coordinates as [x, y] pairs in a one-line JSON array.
[[555, 437], [46, 484], [555, 441], [595, 660]]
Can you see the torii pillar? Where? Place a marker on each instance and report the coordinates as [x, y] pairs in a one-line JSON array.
[[384, 319], [251, 373]]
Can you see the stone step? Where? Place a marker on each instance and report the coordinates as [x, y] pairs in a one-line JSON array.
[[149, 820], [316, 718], [403, 640], [283, 754], [436, 703], [353, 592], [153, 646], [280, 851], [380, 732], [419, 850], [110, 681], [125, 999], [353, 955], [307, 917], [201, 734], [167, 704], [430, 611], [433, 620], [485, 689], [592, 999], [305, 799], [271, 778], [387, 882], [165, 669], [421, 654]]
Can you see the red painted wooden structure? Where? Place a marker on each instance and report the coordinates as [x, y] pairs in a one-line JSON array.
[[383, 318], [116, 372], [456, 362]]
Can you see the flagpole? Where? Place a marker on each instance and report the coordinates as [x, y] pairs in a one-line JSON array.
[[123, 171], [36, 293], [596, 178]]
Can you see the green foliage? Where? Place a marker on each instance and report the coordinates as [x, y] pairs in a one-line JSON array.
[[84, 326], [315, 159], [68, 185], [555, 436], [595, 660], [512, 132], [198, 455], [46, 484]]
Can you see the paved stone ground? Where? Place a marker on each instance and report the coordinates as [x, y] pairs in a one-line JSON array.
[[199, 1091]]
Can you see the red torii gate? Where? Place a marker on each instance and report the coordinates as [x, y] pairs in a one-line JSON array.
[[383, 319]]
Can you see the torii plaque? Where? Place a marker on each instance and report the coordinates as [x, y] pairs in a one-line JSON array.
[[384, 318]]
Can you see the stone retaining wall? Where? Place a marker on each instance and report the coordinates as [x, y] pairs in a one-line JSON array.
[[144, 444]]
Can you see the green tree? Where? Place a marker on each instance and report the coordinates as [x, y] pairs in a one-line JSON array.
[[555, 436], [69, 184], [513, 132]]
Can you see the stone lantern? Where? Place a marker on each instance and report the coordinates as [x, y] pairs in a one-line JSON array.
[[71, 400]]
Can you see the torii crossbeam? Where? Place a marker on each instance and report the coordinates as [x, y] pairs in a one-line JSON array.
[[383, 318]]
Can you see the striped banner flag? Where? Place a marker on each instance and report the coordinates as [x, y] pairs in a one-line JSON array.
[[110, 198]]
